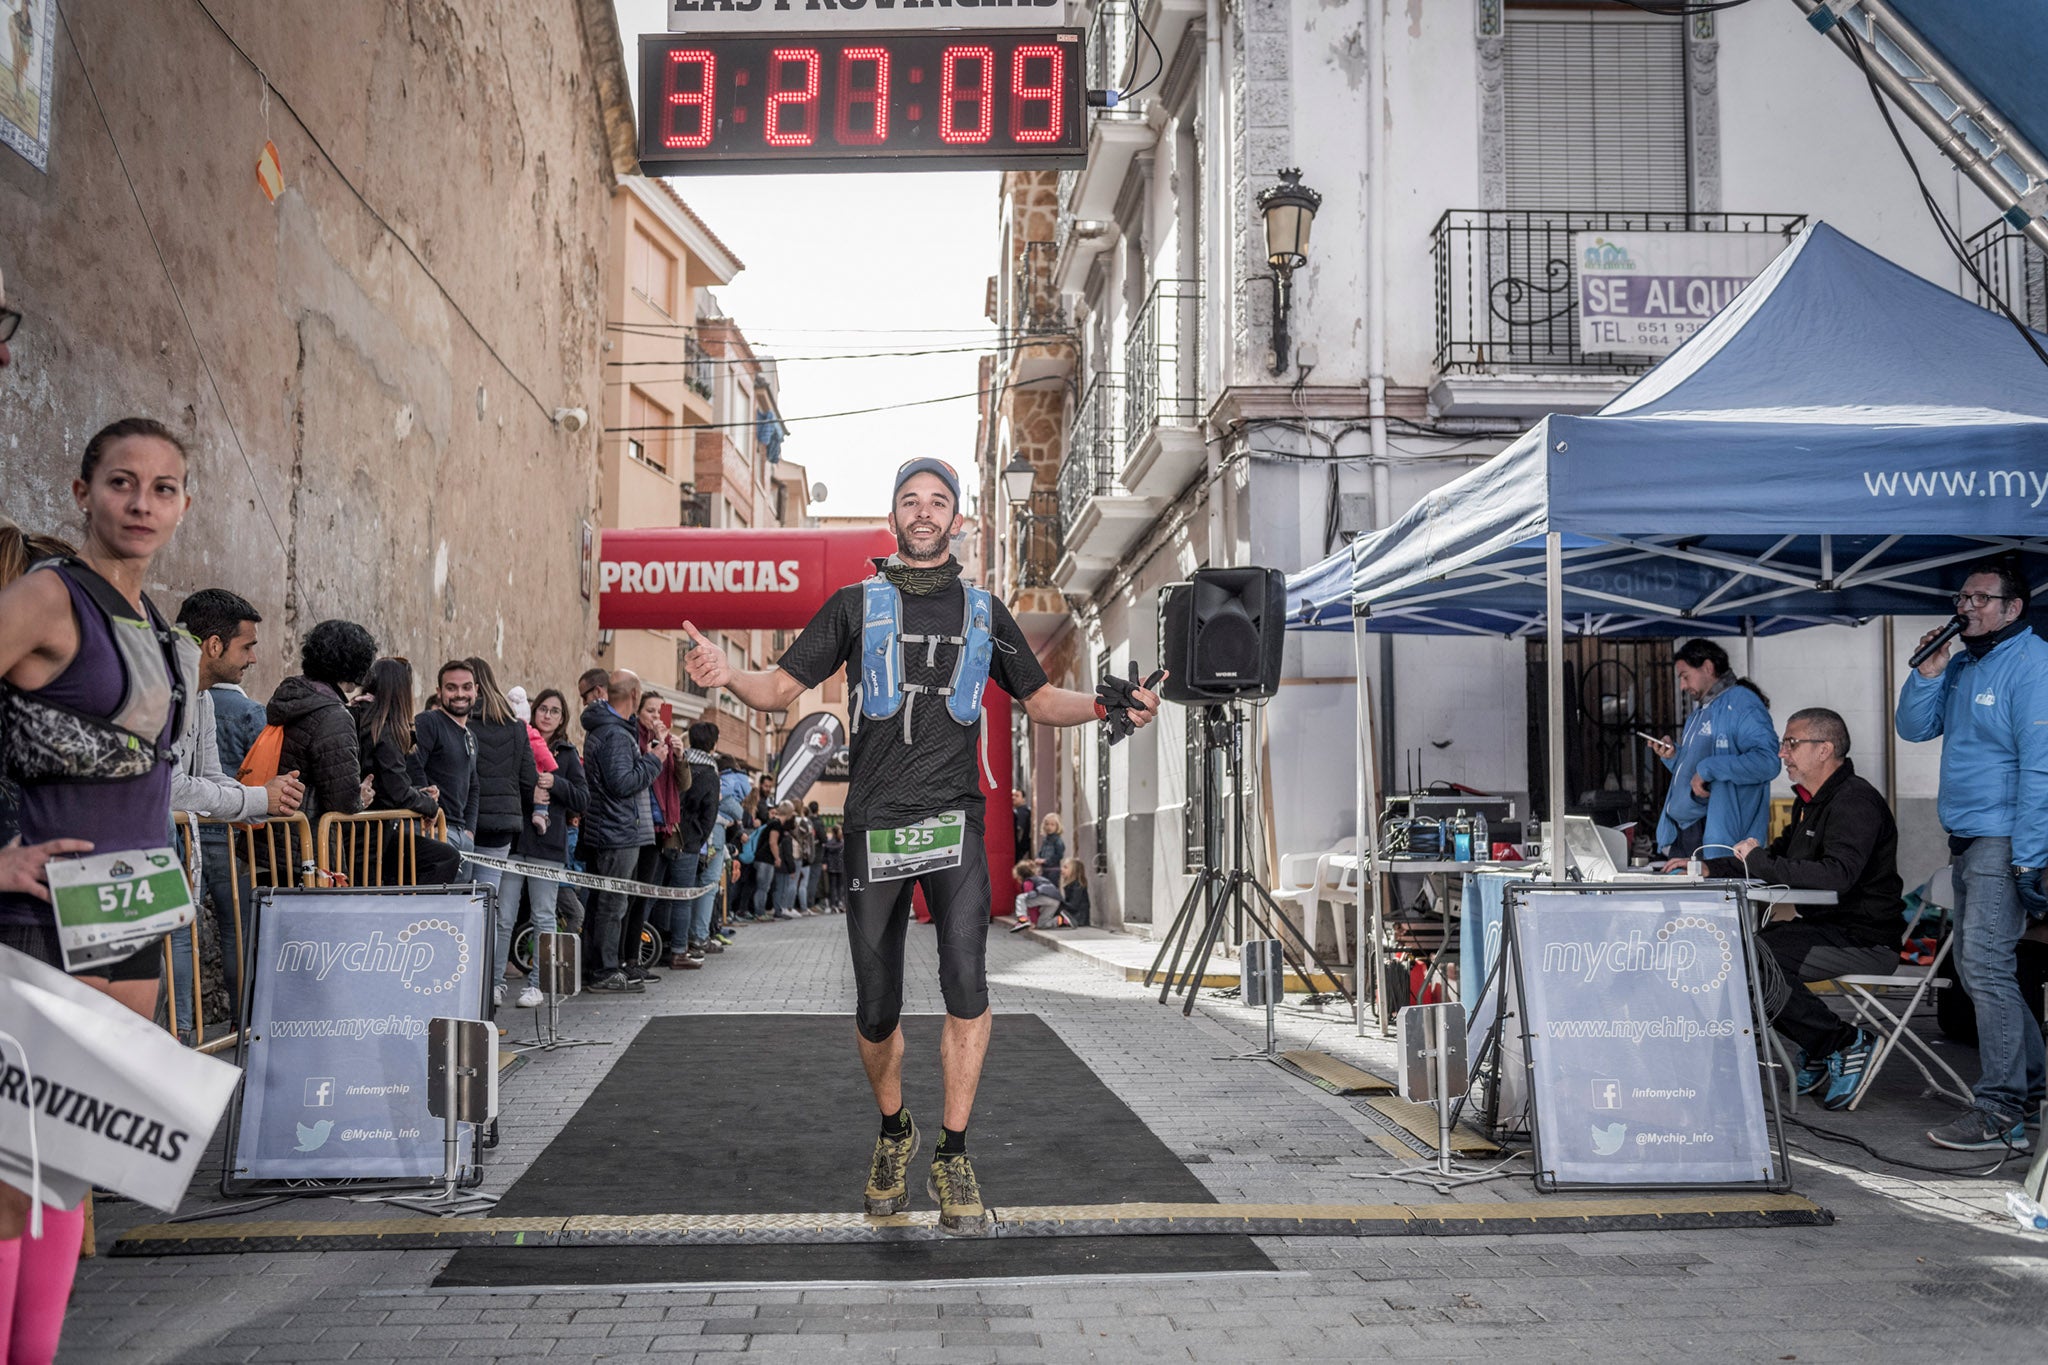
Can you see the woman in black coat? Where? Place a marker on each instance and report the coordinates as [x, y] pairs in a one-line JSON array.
[[506, 778], [545, 839], [383, 716]]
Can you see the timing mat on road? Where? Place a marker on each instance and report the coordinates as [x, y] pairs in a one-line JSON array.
[[757, 1122], [1664, 1214]]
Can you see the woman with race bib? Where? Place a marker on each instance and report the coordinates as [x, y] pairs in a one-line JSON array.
[[96, 688]]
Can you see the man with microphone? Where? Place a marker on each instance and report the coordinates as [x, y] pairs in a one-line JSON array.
[[1989, 704]]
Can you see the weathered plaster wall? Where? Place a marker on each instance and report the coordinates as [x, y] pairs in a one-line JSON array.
[[365, 375]]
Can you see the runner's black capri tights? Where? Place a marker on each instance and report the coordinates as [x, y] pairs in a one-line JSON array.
[[878, 917]]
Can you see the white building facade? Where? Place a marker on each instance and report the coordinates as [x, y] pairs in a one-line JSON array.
[[1457, 146]]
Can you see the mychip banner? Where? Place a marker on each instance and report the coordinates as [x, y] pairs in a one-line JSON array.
[[1641, 1033], [343, 985]]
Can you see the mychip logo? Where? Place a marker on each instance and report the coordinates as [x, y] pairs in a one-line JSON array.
[[429, 956], [1690, 951]]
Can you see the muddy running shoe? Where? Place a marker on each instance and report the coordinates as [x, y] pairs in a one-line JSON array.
[[889, 1177], [958, 1194]]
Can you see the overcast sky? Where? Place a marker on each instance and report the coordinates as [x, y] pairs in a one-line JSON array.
[[852, 263]]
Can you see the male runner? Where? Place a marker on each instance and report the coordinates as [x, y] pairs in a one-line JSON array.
[[919, 642]]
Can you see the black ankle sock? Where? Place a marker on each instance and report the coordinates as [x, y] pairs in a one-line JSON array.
[[953, 1143], [897, 1124]]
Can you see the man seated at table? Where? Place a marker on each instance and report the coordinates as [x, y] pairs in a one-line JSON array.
[[1842, 839]]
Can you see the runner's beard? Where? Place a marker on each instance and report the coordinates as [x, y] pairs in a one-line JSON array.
[[932, 548]]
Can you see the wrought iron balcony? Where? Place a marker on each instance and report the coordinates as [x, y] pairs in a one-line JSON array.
[[2016, 271], [1034, 302], [1110, 40], [1507, 284], [1035, 544], [1162, 359], [698, 371], [1094, 450]]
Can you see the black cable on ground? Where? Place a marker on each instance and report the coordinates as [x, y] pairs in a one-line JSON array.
[[1968, 1172]]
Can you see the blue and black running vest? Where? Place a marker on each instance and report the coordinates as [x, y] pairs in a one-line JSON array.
[[883, 691]]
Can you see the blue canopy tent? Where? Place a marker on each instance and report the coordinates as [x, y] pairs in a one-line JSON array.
[[1840, 442]]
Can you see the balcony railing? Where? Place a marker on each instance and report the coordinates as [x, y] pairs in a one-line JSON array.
[[1162, 359], [1507, 285], [1036, 546], [1034, 303], [1094, 449], [698, 373], [1109, 54], [2015, 269]]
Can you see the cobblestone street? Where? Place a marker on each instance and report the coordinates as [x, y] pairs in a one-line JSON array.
[[1911, 1269]]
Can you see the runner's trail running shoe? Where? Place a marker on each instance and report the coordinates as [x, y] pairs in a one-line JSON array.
[[889, 1177], [958, 1194]]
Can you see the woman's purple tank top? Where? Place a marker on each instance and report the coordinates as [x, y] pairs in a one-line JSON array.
[[134, 812]]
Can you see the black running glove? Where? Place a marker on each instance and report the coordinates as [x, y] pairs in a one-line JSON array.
[[1116, 698]]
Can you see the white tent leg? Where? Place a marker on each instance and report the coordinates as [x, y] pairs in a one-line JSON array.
[[1553, 661], [1364, 950]]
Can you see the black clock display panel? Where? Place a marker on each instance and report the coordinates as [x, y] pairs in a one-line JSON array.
[[1004, 99]]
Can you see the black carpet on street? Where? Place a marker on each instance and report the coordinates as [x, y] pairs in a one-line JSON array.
[[770, 1113]]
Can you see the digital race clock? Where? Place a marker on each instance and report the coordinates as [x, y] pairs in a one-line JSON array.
[[972, 99]]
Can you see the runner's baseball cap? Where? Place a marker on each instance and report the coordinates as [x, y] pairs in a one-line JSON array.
[[925, 464]]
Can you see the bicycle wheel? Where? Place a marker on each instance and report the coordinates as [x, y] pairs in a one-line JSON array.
[[522, 948], [649, 950]]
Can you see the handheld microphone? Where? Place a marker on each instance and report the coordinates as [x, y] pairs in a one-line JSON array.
[[1941, 637]]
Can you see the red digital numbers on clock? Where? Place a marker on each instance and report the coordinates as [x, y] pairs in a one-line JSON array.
[[818, 101], [681, 98], [956, 95], [1035, 108], [792, 86]]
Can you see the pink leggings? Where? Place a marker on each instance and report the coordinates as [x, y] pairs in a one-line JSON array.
[[35, 1285]]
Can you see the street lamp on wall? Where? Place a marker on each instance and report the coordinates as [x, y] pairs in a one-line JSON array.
[[1019, 478], [1289, 209]]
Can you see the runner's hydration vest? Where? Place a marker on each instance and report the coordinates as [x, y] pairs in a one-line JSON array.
[[883, 692]]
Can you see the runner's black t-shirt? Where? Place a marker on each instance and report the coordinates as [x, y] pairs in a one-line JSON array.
[[895, 783]]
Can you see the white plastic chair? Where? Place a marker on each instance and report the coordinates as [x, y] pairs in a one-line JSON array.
[[1299, 876], [1337, 887]]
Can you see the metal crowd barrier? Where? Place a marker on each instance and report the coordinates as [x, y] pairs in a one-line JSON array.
[[351, 848], [277, 851]]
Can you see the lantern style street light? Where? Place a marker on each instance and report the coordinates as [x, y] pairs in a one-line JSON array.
[[1018, 479], [1289, 209]]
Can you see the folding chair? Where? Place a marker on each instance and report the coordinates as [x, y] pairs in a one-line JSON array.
[[1894, 1030]]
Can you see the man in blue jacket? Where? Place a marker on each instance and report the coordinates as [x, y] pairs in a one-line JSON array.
[[1723, 763], [1989, 705], [618, 824]]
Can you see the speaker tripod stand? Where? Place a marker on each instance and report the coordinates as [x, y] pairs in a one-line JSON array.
[[1224, 893]]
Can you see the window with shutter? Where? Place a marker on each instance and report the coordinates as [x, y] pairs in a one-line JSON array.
[[1595, 110]]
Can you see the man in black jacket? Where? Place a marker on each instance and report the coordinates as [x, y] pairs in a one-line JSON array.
[[1842, 839], [692, 919], [445, 751], [618, 824]]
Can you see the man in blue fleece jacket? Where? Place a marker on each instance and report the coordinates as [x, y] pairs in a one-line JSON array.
[[1988, 703]]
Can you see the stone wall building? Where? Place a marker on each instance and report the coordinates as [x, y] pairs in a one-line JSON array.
[[365, 342]]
